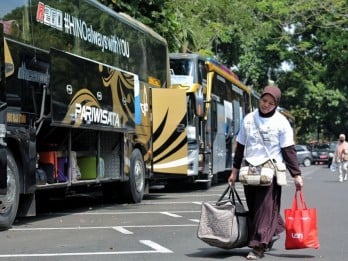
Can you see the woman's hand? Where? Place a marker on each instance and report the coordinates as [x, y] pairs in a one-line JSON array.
[[298, 182], [233, 176]]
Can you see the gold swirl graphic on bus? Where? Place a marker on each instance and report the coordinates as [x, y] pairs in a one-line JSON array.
[[122, 91], [85, 108]]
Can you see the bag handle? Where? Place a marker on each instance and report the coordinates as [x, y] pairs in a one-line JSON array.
[[224, 193], [235, 193], [302, 201], [232, 195]]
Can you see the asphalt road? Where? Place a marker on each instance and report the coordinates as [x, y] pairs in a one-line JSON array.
[[164, 226]]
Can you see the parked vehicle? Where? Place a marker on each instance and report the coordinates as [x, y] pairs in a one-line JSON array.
[[304, 156], [320, 153], [85, 103], [216, 102]]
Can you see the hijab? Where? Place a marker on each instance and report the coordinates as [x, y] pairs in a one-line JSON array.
[[275, 92]]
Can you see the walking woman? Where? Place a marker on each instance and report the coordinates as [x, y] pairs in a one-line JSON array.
[[265, 128], [341, 157]]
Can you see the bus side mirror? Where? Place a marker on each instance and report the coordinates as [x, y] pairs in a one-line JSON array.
[[199, 103]]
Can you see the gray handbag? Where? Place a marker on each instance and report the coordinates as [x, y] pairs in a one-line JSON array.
[[225, 223]]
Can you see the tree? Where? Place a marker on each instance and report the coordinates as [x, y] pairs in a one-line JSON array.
[[310, 37], [258, 38], [312, 52]]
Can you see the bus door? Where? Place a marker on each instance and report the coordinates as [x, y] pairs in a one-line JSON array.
[[3, 106], [229, 133], [170, 150], [218, 127]]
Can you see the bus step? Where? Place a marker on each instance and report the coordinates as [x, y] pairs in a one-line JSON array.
[[202, 180]]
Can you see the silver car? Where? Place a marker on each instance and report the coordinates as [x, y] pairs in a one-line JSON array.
[[304, 156]]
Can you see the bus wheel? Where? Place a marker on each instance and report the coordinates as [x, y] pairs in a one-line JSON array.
[[135, 186], [9, 202], [206, 184], [215, 179]]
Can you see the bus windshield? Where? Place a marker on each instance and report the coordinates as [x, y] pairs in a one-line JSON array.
[[181, 71], [181, 67]]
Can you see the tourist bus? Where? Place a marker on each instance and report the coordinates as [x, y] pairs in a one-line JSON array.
[[216, 104], [84, 103]]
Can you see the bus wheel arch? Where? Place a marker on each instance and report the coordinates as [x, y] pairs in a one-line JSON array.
[[9, 204]]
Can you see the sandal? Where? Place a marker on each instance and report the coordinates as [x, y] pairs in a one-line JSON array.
[[256, 253]]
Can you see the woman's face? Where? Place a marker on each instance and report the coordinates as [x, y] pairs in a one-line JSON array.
[[267, 103]]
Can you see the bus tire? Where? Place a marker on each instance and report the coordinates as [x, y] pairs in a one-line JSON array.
[[135, 186], [215, 179], [205, 185], [9, 203]]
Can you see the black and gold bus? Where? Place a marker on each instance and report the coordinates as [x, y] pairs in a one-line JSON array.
[[84, 101]]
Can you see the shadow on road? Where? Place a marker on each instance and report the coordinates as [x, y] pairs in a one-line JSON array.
[[219, 253]]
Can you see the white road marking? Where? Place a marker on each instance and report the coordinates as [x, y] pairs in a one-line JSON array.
[[123, 230], [156, 249], [194, 220], [116, 213], [197, 202], [170, 214], [155, 246], [93, 228], [166, 203]]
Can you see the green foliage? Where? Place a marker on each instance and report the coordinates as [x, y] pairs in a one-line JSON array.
[[257, 37]]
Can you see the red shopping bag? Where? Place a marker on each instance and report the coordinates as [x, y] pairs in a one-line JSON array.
[[301, 225]]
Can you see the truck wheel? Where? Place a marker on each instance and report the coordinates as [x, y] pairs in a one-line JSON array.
[[135, 186], [9, 202]]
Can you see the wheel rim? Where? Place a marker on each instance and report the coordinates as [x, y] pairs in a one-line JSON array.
[[306, 162], [7, 201], [139, 175]]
